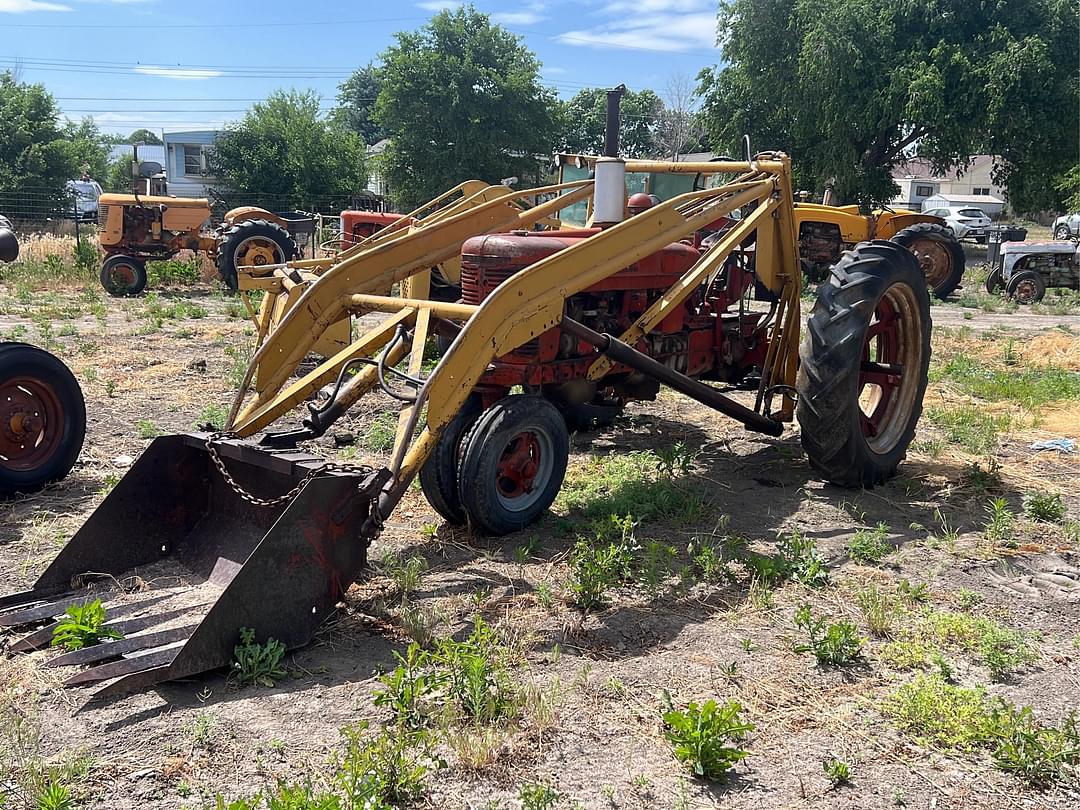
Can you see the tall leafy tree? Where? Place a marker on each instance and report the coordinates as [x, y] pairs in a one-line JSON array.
[[36, 150], [356, 103], [283, 147], [584, 121], [461, 98], [852, 87]]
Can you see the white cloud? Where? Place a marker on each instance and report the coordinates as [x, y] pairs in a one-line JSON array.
[[177, 73], [439, 5], [553, 71], [659, 6], [649, 32], [516, 17], [24, 6]]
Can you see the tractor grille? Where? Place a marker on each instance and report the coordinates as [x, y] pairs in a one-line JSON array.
[[478, 282], [102, 215]]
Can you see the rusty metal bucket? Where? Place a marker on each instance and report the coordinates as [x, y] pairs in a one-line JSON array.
[[181, 561]]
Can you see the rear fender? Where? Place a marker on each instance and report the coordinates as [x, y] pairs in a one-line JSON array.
[[888, 224]]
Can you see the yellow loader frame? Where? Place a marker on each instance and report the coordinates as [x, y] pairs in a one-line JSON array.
[[524, 306]]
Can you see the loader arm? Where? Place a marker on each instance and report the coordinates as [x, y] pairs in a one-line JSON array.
[[375, 268]]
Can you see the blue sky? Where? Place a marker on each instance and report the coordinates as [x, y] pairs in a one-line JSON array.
[[180, 64]]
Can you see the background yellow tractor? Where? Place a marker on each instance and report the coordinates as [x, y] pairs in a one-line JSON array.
[[826, 231], [135, 228]]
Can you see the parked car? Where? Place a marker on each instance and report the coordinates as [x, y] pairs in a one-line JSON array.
[[86, 193], [1067, 226], [966, 223]]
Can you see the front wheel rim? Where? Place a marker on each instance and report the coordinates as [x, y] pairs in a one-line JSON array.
[[524, 469], [934, 259], [31, 423], [122, 277], [888, 387]]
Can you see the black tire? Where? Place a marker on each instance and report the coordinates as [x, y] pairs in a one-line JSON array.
[[123, 275], [36, 386], [939, 253], [234, 240], [1062, 232], [1026, 287], [596, 415], [869, 284], [993, 281], [536, 431], [9, 243], [439, 475]]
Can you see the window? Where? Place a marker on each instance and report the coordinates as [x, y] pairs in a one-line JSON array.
[[971, 212], [193, 160], [981, 191], [923, 191]]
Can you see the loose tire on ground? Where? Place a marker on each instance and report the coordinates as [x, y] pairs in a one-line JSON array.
[[123, 275], [939, 253], [513, 464], [42, 418], [1027, 287], [439, 475], [272, 244], [865, 357]]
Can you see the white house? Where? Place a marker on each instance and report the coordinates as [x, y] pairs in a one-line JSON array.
[[186, 162], [918, 182], [376, 183]]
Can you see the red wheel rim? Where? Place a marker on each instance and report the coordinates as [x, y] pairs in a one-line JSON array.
[[890, 368], [519, 465], [122, 276], [31, 423]]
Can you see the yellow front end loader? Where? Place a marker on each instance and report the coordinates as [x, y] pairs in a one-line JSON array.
[[236, 533]]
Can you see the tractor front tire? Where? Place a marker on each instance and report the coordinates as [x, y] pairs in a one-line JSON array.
[[439, 475], [42, 418], [865, 358], [993, 281], [939, 253], [123, 275], [513, 464], [265, 241], [1026, 287]]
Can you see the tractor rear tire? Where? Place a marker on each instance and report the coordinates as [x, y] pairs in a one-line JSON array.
[[439, 475], [123, 275], [234, 242], [1026, 287], [514, 463], [42, 418], [939, 252], [865, 358]]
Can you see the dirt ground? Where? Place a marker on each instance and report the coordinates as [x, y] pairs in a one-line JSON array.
[[601, 743]]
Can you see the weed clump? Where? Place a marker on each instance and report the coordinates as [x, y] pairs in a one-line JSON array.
[[1044, 507], [83, 626], [707, 738], [255, 663], [833, 644], [870, 546]]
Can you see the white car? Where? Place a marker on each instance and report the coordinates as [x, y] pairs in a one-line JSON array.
[[966, 223], [1067, 226], [85, 193]]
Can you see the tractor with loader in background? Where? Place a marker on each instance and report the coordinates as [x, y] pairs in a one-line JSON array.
[[262, 535]]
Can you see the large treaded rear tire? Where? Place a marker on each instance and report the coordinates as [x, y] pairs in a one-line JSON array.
[[51, 394], [235, 236], [943, 263], [848, 339]]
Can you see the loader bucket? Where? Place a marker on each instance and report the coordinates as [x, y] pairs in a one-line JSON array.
[[181, 561]]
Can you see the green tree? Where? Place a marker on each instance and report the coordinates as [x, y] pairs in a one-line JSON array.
[[35, 151], [89, 147], [282, 147], [461, 99], [143, 136], [356, 103], [584, 121], [851, 87]]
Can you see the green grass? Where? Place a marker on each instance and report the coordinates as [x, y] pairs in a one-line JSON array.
[[1031, 386], [970, 426], [962, 719], [381, 431], [641, 484], [870, 546]]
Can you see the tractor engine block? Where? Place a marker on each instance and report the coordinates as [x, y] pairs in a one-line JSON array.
[[695, 339]]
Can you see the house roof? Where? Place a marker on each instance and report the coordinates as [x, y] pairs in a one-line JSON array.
[[920, 169], [966, 199]]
